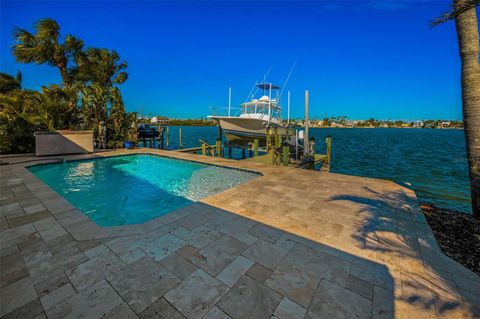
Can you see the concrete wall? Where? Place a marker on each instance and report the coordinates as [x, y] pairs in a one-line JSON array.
[[63, 142]]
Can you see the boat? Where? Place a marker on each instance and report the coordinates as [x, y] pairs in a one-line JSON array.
[[254, 118]]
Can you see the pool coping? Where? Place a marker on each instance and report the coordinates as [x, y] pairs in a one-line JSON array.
[[82, 227]]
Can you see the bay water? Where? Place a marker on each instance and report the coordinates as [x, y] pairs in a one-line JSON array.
[[432, 162]]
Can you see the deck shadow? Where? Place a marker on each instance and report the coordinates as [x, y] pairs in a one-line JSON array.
[[396, 231], [326, 281]]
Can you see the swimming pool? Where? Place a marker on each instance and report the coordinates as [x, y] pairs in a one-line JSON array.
[[133, 189]]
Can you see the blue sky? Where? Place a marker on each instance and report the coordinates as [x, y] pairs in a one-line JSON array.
[[361, 59]]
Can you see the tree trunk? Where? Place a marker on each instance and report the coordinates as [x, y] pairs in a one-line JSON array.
[[468, 42]]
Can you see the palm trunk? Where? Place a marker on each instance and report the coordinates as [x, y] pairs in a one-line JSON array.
[[468, 41]]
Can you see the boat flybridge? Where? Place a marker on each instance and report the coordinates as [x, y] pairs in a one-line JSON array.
[[263, 111]]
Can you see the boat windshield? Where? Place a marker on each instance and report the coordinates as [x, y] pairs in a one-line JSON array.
[[261, 109], [264, 104]]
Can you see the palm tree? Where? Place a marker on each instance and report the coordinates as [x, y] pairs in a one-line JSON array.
[[9, 83], [466, 23], [100, 66], [45, 46], [100, 71]]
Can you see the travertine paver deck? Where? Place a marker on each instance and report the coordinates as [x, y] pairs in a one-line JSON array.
[[289, 244]]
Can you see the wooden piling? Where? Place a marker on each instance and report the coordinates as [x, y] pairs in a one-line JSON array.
[[162, 130], [180, 145], [306, 150], [218, 145], [326, 163], [277, 137], [255, 147], [285, 155], [167, 137], [204, 149], [269, 147]]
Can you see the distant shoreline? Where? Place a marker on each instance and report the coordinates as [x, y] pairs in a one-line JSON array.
[[329, 127]]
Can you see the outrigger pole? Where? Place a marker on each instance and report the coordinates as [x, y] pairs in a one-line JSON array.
[[306, 146], [288, 108], [288, 77], [229, 100]]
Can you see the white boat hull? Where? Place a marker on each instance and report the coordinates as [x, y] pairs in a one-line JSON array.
[[240, 130]]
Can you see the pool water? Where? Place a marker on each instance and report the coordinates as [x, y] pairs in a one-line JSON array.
[[133, 189]]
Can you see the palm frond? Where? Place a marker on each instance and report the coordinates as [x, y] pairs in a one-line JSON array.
[[73, 44], [22, 35], [454, 11], [48, 30]]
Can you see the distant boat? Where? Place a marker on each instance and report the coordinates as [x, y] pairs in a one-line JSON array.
[[254, 117]]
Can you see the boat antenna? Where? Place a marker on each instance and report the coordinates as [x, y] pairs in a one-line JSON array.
[[254, 89], [251, 91], [265, 78], [266, 74], [288, 77]]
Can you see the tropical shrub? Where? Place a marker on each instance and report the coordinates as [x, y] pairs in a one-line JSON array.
[[88, 97]]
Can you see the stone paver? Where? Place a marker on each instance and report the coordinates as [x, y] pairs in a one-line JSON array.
[[300, 272], [266, 233], [216, 256], [250, 299], [16, 295], [161, 309], [287, 309], [17, 235], [142, 282], [14, 221], [13, 268], [34, 208], [132, 256], [93, 302], [94, 270], [122, 311], [233, 272], [197, 294], [192, 221], [216, 313], [178, 265], [162, 247], [265, 253], [374, 273], [56, 296], [32, 309], [361, 287], [288, 243], [259, 273], [332, 301], [49, 229], [199, 237]]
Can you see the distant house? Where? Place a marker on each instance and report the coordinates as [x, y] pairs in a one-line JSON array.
[[383, 125], [161, 120], [350, 123], [418, 124], [445, 124]]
